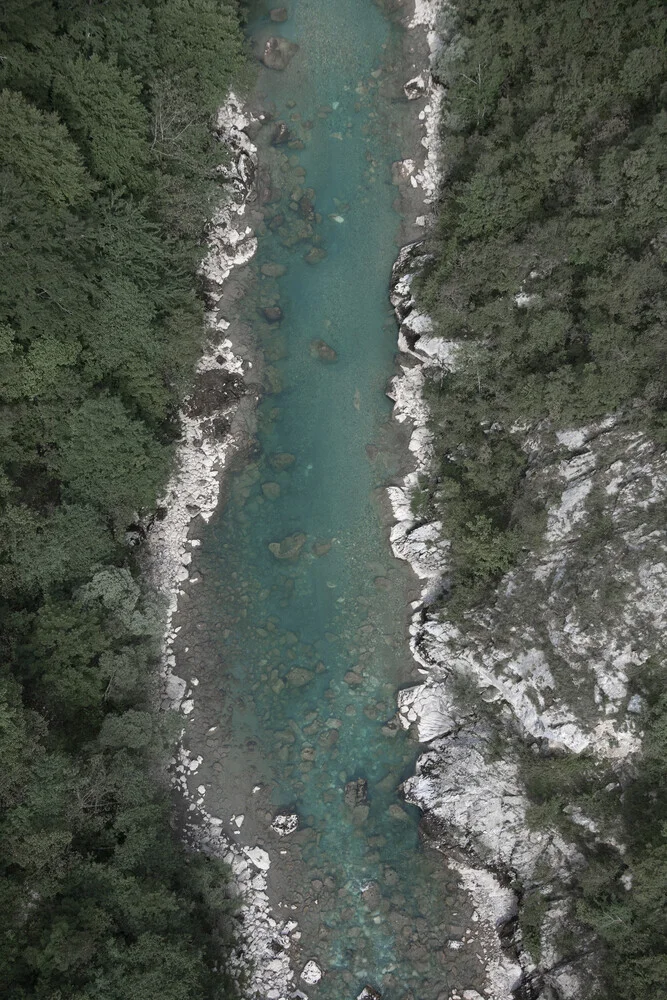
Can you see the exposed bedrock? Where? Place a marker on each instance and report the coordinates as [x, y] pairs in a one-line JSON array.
[[543, 668]]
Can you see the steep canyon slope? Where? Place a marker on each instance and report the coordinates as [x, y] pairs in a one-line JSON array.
[[535, 514]]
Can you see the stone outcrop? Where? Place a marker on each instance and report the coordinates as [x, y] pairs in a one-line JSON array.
[[547, 663]]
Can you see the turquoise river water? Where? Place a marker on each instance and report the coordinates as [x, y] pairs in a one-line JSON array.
[[299, 658]]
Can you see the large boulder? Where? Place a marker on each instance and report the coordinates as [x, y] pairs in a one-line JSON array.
[[281, 134], [417, 87], [279, 52]]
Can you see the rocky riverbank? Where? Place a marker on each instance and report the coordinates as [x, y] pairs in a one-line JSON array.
[[218, 422], [543, 670]]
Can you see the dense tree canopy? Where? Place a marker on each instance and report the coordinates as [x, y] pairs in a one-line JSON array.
[[106, 182], [548, 259], [548, 267]]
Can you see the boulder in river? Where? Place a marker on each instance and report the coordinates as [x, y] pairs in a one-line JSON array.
[[323, 351], [290, 547], [279, 52], [356, 792], [281, 134], [281, 460], [272, 314], [314, 255], [271, 270]]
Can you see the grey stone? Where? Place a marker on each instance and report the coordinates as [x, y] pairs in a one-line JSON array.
[[279, 52]]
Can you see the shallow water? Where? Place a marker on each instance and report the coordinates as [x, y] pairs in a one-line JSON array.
[[299, 658]]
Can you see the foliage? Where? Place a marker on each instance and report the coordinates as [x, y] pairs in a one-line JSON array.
[[547, 268], [548, 258], [107, 178], [621, 896]]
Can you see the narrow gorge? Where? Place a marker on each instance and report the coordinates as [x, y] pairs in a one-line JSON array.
[[288, 646], [290, 627], [333, 576]]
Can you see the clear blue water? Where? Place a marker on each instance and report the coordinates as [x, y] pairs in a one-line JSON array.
[[299, 659]]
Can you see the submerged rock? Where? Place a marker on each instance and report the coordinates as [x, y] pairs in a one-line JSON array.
[[279, 52], [321, 548], [323, 351], [290, 547], [278, 14], [271, 490], [298, 676], [270, 270], [281, 460], [353, 679], [315, 255], [273, 314], [356, 792]]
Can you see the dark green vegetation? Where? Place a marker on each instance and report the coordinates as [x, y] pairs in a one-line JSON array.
[[622, 898], [555, 154], [555, 157], [106, 179]]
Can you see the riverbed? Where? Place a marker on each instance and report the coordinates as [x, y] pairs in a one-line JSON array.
[[296, 626]]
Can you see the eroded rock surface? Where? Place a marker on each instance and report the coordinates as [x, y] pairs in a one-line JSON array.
[[547, 664]]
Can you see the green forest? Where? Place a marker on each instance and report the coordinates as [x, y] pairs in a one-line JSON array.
[[555, 156], [548, 266], [107, 178], [554, 163]]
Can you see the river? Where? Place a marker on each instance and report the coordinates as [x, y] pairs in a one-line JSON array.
[[299, 626]]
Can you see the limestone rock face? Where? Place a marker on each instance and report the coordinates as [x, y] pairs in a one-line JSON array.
[[547, 659], [279, 52]]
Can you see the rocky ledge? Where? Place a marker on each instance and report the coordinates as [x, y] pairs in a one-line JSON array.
[[544, 668]]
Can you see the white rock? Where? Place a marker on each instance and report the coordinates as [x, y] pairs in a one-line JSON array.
[[311, 973], [258, 857], [285, 823]]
